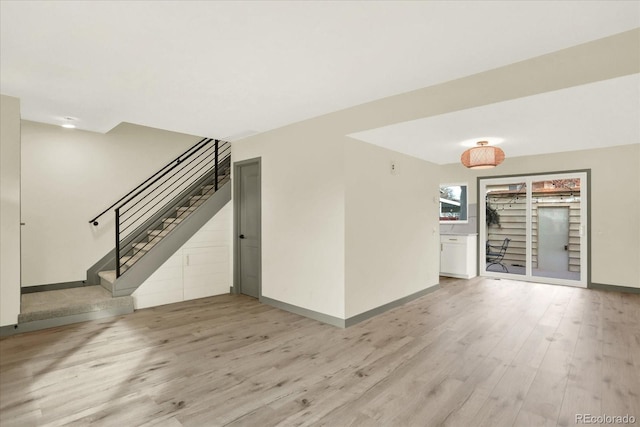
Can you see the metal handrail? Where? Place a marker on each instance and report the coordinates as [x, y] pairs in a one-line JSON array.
[[162, 175], [169, 178], [132, 216], [176, 161], [144, 207], [176, 180]]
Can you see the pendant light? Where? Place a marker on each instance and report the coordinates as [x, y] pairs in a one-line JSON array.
[[483, 156]]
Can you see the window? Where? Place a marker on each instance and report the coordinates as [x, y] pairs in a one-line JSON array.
[[453, 203]]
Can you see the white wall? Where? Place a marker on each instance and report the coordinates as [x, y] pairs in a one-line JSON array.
[[68, 177], [200, 268], [391, 226], [9, 210], [302, 216], [615, 203], [340, 235]]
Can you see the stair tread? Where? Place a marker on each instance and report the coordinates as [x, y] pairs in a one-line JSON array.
[[169, 226], [189, 209], [131, 259], [158, 233], [108, 275], [172, 220], [145, 246]]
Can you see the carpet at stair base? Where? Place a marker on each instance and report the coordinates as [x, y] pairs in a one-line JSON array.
[[65, 303]]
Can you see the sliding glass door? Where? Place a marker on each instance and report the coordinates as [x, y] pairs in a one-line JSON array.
[[534, 228]]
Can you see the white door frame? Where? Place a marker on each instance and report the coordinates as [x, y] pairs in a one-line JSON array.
[[528, 179]]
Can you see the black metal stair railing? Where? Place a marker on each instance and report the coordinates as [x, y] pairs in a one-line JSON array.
[[152, 209]]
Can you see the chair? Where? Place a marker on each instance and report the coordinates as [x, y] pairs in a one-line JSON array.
[[495, 254]]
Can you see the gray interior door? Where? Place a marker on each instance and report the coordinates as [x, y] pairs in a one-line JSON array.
[[248, 227]]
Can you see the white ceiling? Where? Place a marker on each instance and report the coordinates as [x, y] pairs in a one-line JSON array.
[[225, 69], [595, 115]]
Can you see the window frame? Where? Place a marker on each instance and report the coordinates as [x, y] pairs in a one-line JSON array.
[[464, 199]]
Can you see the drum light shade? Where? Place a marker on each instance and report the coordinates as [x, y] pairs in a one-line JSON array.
[[482, 157]]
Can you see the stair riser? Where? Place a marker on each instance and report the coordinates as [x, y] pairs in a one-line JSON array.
[[106, 284]]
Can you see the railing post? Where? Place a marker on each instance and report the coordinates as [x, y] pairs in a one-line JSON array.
[[215, 174], [117, 242]]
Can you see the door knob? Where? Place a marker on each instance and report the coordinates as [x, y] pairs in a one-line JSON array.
[[241, 236], [566, 247]]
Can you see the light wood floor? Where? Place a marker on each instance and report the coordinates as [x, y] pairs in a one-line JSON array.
[[474, 353]]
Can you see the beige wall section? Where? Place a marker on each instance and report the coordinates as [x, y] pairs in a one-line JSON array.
[[615, 203], [302, 216], [391, 224], [68, 177], [9, 210], [340, 234]]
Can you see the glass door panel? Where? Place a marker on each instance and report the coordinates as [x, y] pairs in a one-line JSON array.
[[556, 224], [506, 233]]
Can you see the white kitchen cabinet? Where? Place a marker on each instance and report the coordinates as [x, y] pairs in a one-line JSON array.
[[458, 255]]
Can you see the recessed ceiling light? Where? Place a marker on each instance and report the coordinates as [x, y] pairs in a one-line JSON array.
[[67, 123]]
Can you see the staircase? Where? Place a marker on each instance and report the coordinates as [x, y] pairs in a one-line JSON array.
[[156, 218], [152, 222]]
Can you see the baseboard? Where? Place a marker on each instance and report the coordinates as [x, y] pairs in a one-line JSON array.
[[459, 276], [388, 306], [7, 330], [37, 325], [52, 287], [311, 314], [345, 323], [614, 288]]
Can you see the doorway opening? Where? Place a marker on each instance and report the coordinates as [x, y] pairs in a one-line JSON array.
[[535, 227]]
